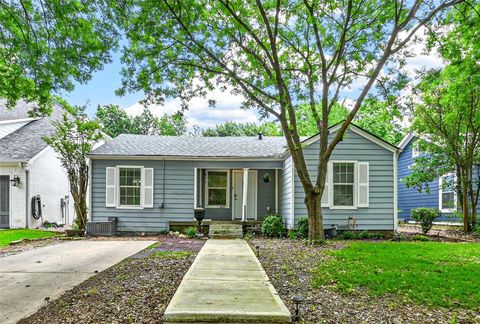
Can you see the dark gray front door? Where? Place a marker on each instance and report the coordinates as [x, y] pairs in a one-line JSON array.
[[4, 201]]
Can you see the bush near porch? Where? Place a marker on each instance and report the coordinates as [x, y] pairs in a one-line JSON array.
[[10, 235]]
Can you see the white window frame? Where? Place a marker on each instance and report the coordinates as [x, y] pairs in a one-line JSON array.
[[142, 183], [440, 194], [332, 186], [227, 205]]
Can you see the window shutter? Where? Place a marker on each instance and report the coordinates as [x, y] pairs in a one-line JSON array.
[[363, 186], [147, 187], [111, 187], [326, 191]]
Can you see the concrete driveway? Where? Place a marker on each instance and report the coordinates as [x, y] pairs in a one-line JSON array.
[[29, 278]]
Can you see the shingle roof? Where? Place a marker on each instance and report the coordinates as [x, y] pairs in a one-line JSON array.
[[189, 146], [26, 142]]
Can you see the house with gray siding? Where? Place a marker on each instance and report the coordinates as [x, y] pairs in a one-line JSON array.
[[151, 182]]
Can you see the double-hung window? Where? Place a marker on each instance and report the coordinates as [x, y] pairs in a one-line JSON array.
[[130, 186], [216, 193], [447, 193], [343, 184]]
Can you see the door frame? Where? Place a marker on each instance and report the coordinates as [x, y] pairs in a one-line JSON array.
[[9, 197], [255, 173]]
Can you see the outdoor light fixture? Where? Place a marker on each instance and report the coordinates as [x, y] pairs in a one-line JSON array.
[[297, 300], [15, 181], [258, 250]]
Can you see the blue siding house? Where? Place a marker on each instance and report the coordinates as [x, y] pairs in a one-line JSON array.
[[440, 197], [152, 182]]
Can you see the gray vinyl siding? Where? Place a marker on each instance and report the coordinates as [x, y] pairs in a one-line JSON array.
[[380, 213], [177, 197], [286, 192]]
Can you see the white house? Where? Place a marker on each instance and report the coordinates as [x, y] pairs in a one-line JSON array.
[[32, 182]]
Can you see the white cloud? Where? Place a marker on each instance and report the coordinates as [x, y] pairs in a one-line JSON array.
[[199, 113]]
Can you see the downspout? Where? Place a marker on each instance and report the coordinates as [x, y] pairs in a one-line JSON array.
[[395, 191], [27, 196]]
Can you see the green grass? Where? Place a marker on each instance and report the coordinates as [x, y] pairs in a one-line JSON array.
[[430, 273], [7, 236], [170, 254]]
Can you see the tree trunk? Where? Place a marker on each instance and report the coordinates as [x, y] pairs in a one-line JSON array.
[[313, 201], [465, 208]]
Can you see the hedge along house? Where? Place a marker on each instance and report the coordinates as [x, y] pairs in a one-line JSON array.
[[152, 182]]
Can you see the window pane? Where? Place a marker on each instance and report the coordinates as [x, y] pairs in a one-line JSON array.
[[217, 197], [448, 183], [130, 177], [130, 196], [343, 173], [343, 195], [448, 200], [217, 179]]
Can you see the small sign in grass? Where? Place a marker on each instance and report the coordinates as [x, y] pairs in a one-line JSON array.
[[431, 273], [8, 236]]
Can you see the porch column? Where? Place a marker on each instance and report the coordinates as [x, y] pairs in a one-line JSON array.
[[195, 187], [245, 194]]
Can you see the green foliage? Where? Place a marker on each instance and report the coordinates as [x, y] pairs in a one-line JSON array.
[[302, 227], [292, 234], [73, 138], [272, 225], [243, 129], [476, 230], [171, 255], [191, 232], [115, 121], [47, 45], [348, 235], [421, 238], [425, 216], [416, 271], [249, 236]]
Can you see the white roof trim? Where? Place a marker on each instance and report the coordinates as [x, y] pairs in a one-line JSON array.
[[358, 131], [406, 140], [19, 120]]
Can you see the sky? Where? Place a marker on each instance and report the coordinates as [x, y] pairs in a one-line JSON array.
[[100, 90]]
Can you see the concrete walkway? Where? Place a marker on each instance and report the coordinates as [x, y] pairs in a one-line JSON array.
[[28, 278], [226, 283]]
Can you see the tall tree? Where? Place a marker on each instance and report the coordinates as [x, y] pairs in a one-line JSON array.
[[46, 44], [73, 139], [449, 117], [448, 113], [243, 129], [277, 54], [115, 121]]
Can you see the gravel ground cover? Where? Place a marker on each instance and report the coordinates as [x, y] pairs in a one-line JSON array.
[[439, 233], [136, 290], [290, 265]]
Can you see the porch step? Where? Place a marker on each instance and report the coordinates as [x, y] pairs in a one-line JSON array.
[[225, 230]]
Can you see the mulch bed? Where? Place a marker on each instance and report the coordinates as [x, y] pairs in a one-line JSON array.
[[136, 290], [289, 265], [441, 233]]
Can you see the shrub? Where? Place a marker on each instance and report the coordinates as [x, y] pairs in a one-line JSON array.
[[348, 235], [421, 238], [476, 230], [191, 232], [292, 234], [302, 231], [249, 236], [272, 225], [425, 216]]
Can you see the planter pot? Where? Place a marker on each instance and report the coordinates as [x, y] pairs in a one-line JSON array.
[[72, 232]]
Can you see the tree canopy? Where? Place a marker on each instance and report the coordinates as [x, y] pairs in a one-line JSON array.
[[277, 54], [47, 45], [243, 129], [115, 121]]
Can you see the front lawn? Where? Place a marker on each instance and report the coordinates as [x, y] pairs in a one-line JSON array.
[[375, 282], [431, 273], [7, 236]]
